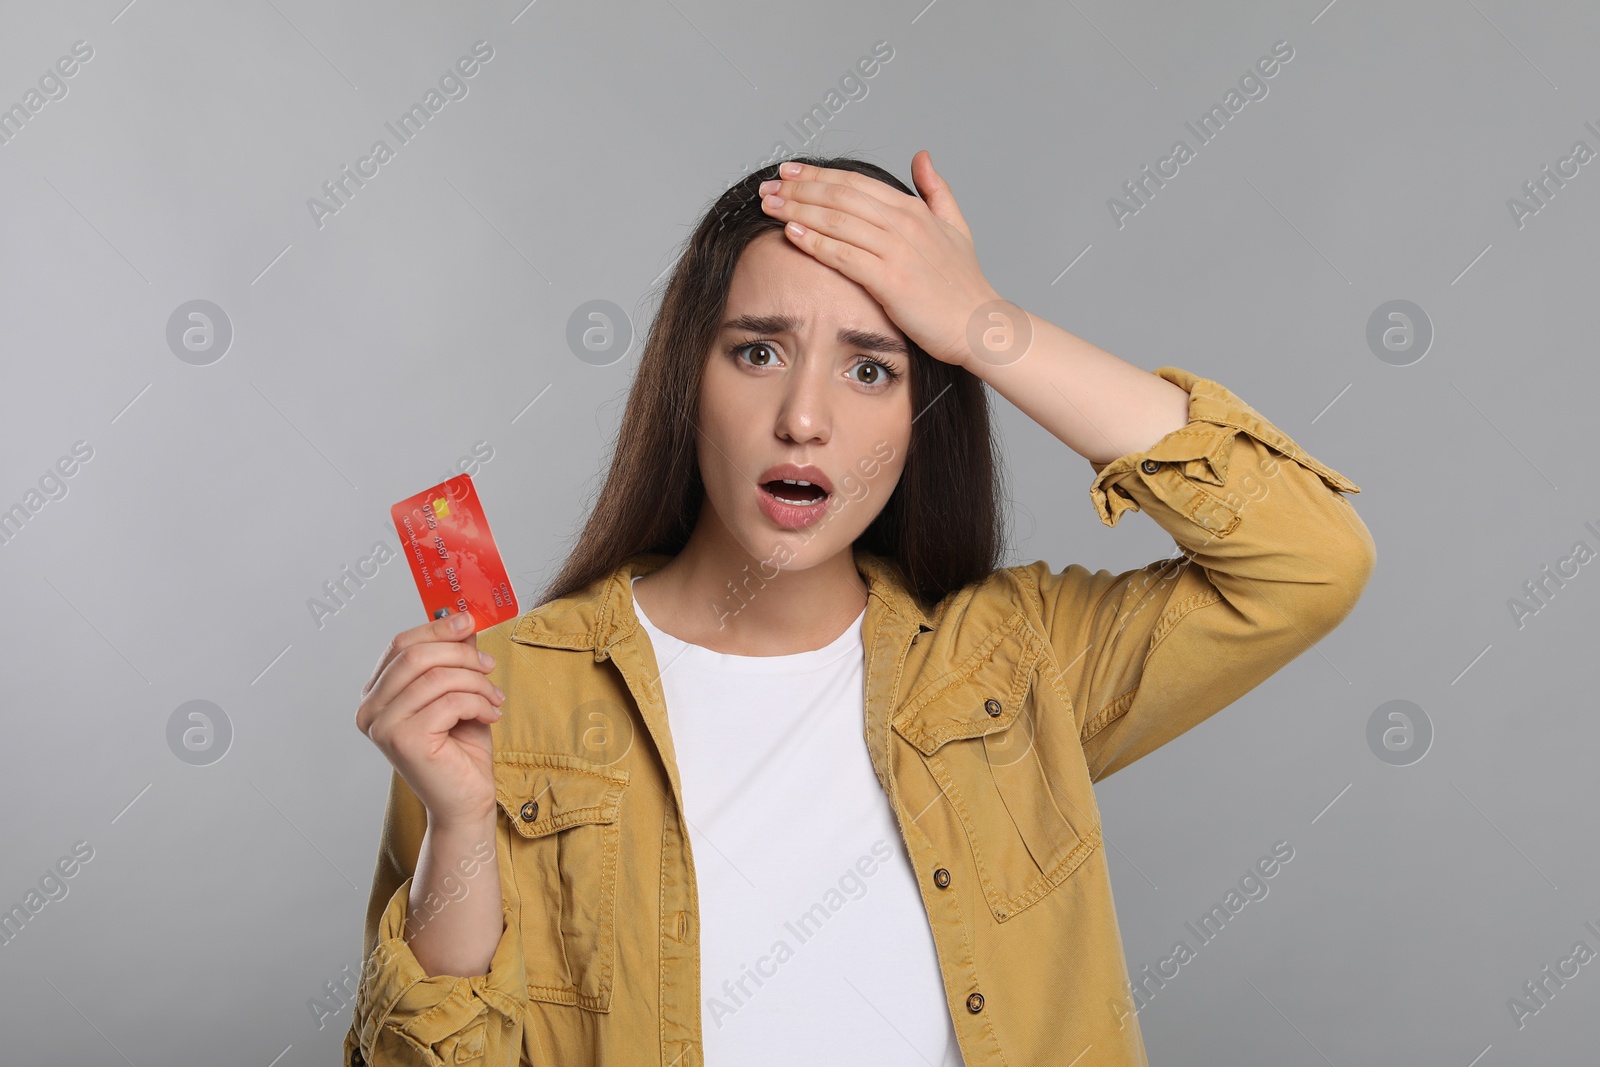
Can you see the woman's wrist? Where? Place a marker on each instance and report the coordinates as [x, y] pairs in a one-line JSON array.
[[463, 827]]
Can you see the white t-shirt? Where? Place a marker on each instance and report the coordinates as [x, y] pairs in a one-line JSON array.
[[814, 943]]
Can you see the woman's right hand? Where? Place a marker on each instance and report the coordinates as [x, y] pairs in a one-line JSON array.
[[428, 707]]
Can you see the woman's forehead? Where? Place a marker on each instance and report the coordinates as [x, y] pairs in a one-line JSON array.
[[774, 277]]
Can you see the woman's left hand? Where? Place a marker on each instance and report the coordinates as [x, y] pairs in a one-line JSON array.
[[913, 256]]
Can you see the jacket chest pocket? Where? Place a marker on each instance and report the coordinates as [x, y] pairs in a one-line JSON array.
[[565, 839], [1002, 746]]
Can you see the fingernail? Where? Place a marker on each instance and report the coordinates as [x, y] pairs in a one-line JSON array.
[[791, 169], [461, 622], [486, 659], [497, 691]]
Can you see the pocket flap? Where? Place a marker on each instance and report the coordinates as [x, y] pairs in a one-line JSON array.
[[982, 694], [545, 792]]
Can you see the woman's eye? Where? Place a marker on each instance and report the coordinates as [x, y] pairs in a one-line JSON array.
[[757, 346], [878, 373]]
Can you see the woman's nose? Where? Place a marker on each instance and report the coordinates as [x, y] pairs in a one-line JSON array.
[[805, 414]]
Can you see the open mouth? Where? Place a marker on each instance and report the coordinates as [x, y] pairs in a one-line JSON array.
[[795, 492]]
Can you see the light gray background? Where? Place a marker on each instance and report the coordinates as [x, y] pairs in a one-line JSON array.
[[370, 354]]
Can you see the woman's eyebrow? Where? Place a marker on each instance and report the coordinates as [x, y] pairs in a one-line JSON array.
[[871, 340]]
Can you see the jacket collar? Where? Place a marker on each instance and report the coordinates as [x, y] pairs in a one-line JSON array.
[[601, 614]]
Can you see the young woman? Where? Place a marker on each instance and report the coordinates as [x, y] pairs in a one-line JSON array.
[[784, 767]]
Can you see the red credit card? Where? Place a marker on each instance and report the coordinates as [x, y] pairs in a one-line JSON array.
[[454, 561]]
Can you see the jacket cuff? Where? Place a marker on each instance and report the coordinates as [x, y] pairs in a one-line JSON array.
[[397, 994], [1199, 450]]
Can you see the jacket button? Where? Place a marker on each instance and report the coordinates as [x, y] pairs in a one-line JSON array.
[[530, 811], [941, 878], [992, 706], [1149, 466], [975, 1003], [357, 1060]]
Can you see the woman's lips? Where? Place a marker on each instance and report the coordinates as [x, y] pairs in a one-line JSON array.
[[787, 515]]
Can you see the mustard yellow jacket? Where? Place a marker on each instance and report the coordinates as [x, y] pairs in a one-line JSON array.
[[989, 716]]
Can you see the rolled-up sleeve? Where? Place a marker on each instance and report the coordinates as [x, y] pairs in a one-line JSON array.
[[1271, 558], [406, 1018]]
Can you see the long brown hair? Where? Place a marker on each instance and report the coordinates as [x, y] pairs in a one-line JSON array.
[[942, 525]]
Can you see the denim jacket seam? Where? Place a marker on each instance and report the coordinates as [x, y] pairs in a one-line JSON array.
[[1203, 498], [542, 760], [1112, 711], [1115, 708], [572, 642], [421, 1046], [899, 675], [1264, 433], [1030, 590], [442, 1009], [1176, 614], [661, 948], [608, 877]]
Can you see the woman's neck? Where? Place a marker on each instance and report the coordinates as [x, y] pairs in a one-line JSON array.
[[715, 594]]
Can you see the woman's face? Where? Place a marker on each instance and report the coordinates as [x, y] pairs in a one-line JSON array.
[[807, 370]]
